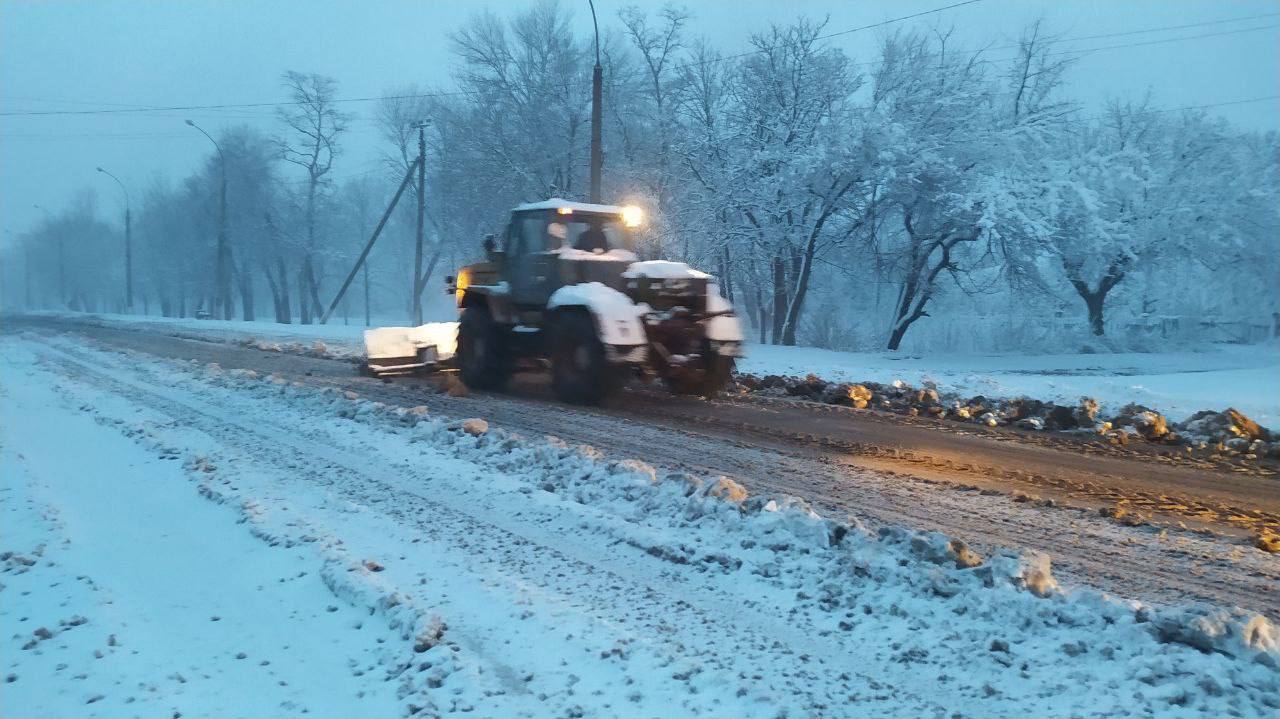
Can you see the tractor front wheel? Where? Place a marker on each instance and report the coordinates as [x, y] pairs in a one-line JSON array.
[[482, 355]]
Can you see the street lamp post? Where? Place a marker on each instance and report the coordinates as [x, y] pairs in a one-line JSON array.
[[222, 291], [597, 152], [128, 243]]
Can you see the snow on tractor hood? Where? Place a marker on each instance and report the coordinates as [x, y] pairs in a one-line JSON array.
[[663, 270], [616, 315]]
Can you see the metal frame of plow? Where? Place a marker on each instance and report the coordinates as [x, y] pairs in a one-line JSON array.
[[413, 167]]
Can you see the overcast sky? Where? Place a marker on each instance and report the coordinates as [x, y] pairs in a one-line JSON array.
[[104, 54]]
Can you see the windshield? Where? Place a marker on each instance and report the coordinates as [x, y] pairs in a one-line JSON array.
[[589, 234]]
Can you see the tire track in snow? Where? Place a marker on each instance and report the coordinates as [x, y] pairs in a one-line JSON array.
[[655, 596]]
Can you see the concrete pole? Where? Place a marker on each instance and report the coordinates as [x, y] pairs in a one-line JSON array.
[[128, 243], [222, 288]]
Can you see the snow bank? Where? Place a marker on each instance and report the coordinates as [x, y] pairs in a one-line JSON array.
[[1177, 383]]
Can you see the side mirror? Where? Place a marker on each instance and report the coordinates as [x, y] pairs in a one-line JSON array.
[[490, 244], [450, 285]]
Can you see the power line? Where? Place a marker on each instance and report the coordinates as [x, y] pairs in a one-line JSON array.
[[133, 109], [1166, 27], [126, 109], [226, 106], [230, 106], [146, 108], [1079, 38], [1192, 107], [1166, 40]]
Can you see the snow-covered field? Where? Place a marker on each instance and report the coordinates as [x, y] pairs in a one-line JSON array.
[[216, 543], [1178, 384]]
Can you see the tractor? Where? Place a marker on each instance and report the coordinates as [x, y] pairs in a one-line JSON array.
[[563, 289]]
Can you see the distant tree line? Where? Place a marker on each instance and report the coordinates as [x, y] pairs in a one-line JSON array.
[[842, 201]]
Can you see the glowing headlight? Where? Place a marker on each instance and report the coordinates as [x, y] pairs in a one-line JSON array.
[[632, 216], [464, 281]]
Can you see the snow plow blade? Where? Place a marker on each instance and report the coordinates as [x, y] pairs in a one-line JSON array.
[[404, 350]]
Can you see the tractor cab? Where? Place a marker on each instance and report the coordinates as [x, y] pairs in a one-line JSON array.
[[554, 243]]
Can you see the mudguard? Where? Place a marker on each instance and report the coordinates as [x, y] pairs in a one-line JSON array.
[[617, 318], [723, 329]]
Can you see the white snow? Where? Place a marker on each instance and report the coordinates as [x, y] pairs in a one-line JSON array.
[[183, 609], [556, 203], [520, 576], [388, 342], [616, 254], [1177, 384], [663, 270]]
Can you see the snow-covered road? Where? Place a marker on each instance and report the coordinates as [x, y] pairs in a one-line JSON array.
[[374, 556]]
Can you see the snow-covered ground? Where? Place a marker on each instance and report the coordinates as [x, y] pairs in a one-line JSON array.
[[1179, 384], [1246, 377], [366, 560]]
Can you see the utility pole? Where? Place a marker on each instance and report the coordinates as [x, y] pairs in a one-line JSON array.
[[365, 269], [222, 281], [128, 244], [26, 263], [422, 209], [364, 254], [597, 152]]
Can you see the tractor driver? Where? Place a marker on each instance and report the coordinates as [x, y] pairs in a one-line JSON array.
[[592, 239]]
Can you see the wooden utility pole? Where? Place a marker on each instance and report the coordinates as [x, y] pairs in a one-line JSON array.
[[364, 254], [422, 209], [597, 152], [364, 267]]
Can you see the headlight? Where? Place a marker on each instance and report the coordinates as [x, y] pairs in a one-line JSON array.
[[632, 216], [464, 280]]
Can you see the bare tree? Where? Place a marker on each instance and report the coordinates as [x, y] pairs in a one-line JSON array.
[[316, 123]]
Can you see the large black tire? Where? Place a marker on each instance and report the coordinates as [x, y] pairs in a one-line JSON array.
[[483, 359], [580, 370], [709, 384]]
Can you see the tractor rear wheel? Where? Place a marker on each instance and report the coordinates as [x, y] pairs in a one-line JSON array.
[[580, 369], [716, 372], [483, 360]]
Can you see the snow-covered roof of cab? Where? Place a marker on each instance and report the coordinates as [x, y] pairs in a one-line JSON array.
[[556, 203]]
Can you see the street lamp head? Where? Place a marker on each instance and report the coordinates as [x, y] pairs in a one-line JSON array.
[[101, 170], [190, 123]]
